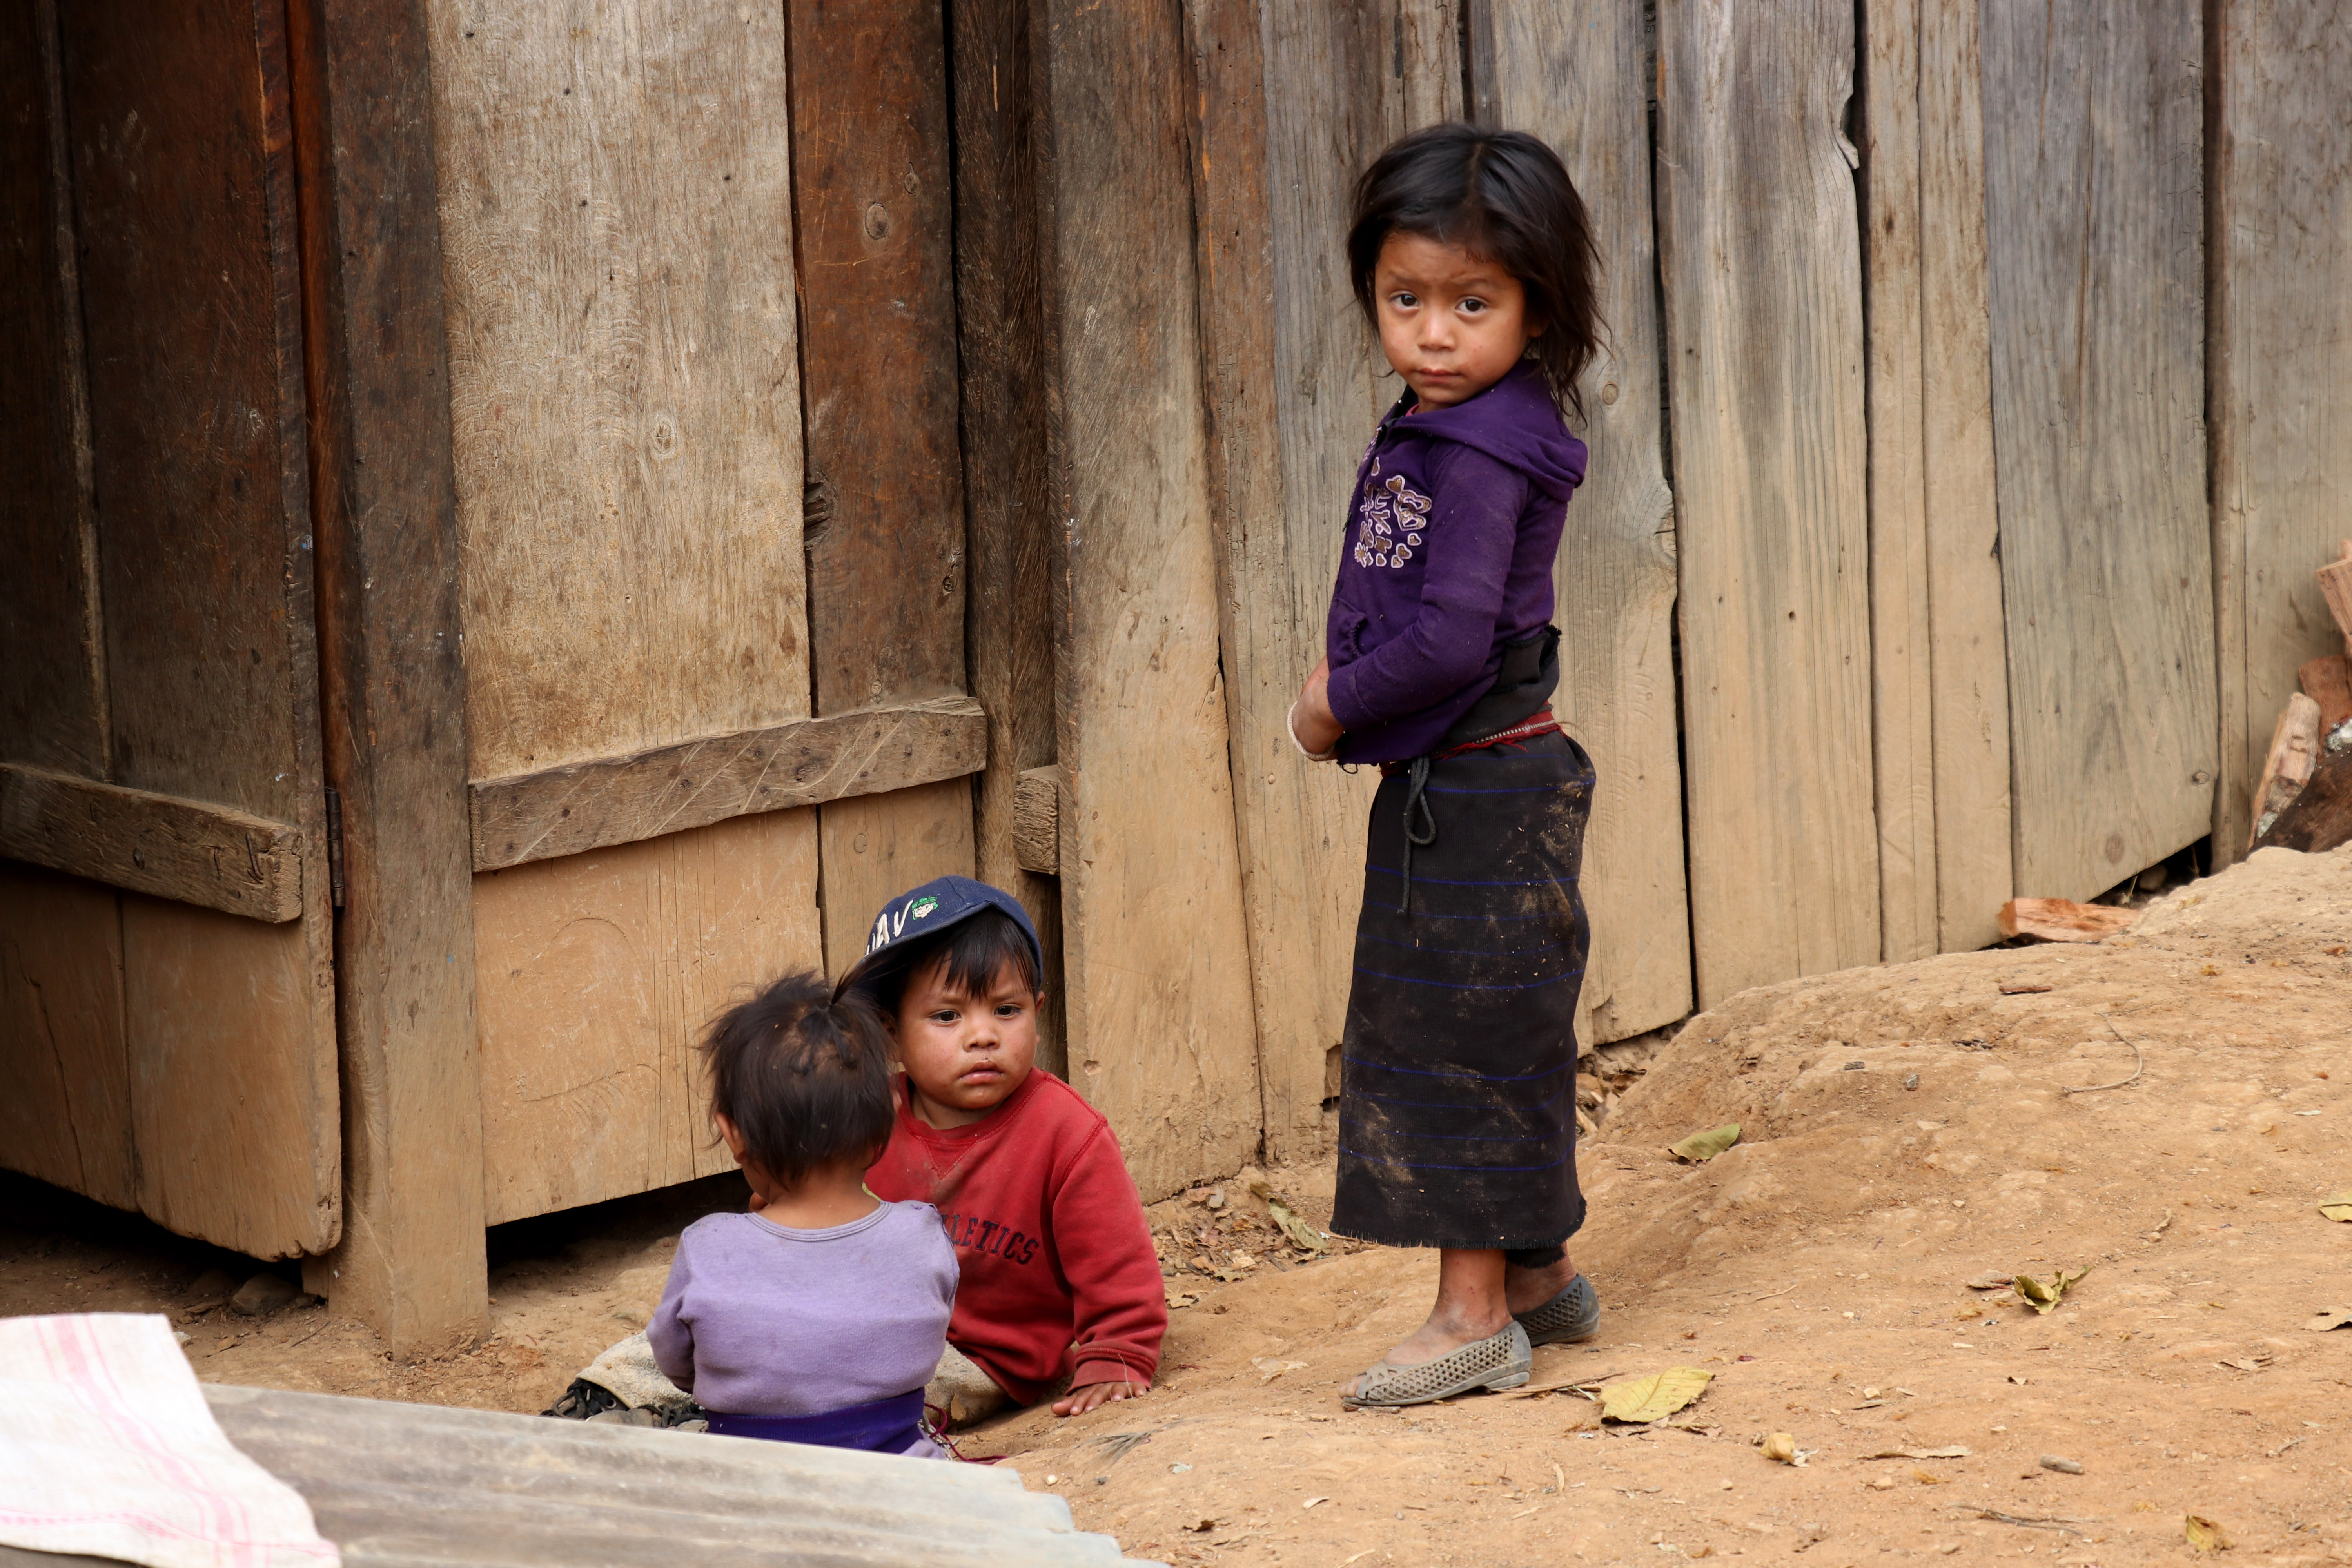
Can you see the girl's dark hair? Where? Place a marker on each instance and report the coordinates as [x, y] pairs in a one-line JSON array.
[[804, 1078], [975, 952], [1503, 195]]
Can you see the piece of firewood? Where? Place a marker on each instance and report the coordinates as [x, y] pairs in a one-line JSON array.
[[2320, 818], [2063, 920], [2294, 752], [2328, 682], [2336, 588]]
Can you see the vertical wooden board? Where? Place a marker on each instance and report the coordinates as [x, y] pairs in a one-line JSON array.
[[230, 1094], [2281, 369], [616, 230], [1008, 516], [872, 213], [183, 177], [52, 704], [1968, 642], [1289, 411], [412, 1261], [1762, 263], [1901, 715], [1582, 83], [65, 1076], [874, 847], [1161, 1034], [1425, 63], [886, 541], [597, 974], [2093, 211]]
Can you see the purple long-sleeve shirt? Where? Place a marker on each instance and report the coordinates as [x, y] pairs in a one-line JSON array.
[[1453, 525], [759, 1320]]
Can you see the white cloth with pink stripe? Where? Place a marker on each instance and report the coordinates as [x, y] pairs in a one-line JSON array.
[[109, 1450]]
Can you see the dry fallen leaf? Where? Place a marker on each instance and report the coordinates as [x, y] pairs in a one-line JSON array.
[[2205, 1535], [1780, 1446], [2330, 1318], [1701, 1147], [2338, 1208], [1639, 1400], [2043, 1297], [1955, 1451], [1991, 1282], [1304, 1236]]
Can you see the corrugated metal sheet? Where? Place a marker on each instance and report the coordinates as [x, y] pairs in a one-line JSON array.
[[401, 1485]]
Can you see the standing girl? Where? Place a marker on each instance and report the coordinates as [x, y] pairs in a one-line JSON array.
[[1471, 254]]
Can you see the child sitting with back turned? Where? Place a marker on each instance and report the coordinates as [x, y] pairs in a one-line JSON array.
[[1058, 1271], [820, 1318]]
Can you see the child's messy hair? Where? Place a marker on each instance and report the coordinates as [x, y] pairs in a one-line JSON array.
[[975, 951], [804, 1078], [1503, 195]]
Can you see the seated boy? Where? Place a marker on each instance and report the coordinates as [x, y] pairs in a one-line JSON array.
[[1058, 1271]]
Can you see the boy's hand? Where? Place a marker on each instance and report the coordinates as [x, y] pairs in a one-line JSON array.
[[1312, 725], [1089, 1396]]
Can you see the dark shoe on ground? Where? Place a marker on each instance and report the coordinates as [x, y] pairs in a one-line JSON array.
[[1574, 1314]]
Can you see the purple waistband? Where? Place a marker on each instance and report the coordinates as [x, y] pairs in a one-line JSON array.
[[889, 1425]]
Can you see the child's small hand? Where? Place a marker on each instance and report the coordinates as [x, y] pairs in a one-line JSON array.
[[1312, 725], [1087, 1396]]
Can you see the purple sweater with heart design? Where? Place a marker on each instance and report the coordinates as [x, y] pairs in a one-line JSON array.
[[1452, 530]]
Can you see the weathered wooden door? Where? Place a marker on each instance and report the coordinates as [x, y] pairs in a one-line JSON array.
[[694, 276], [166, 982]]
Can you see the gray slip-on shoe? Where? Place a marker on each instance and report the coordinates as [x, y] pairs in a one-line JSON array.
[[1500, 1361], [1574, 1314]]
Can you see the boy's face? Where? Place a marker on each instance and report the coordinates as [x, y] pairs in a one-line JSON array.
[[963, 1054]]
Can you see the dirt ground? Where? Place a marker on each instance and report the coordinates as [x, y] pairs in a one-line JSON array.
[[1903, 1130]]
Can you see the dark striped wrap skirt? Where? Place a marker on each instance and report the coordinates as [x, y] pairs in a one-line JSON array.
[[1457, 1087]]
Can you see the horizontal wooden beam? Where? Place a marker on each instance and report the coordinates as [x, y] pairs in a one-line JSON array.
[[621, 800], [190, 850], [1037, 820]]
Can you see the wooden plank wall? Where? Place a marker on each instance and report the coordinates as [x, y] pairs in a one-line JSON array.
[[2095, 221], [2281, 363], [1581, 84], [164, 610], [1160, 1036], [874, 223], [1762, 270], [618, 234], [1939, 646]]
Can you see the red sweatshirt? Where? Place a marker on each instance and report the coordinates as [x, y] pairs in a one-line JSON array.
[[1050, 1234]]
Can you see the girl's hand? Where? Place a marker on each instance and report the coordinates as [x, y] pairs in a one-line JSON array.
[[1087, 1396], [1312, 725]]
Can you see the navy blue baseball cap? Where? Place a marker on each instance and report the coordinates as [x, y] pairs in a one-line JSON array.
[[934, 907]]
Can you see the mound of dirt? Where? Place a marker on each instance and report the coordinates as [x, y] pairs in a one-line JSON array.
[[2158, 1107], [1893, 1098]]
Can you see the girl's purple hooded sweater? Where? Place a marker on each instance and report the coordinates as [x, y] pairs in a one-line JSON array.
[[1454, 523]]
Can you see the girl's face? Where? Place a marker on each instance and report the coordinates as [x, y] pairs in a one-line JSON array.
[[1452, 324]]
